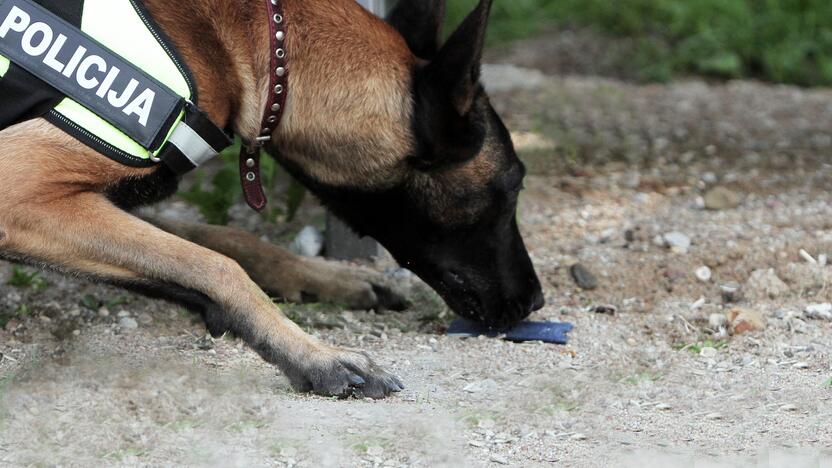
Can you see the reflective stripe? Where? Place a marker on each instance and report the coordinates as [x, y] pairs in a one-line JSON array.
[[132, 40], [197, 150], [4, 65]]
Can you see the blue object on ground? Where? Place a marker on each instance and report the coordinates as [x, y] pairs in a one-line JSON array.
[[547, 332]]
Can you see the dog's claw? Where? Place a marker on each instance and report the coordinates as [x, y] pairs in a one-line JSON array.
[[346, 373]]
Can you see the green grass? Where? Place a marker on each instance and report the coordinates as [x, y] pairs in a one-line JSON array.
[[215, 197], [696, 348], [786, 41], [24, 279]]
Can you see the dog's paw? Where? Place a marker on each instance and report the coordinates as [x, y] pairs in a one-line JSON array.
[[356, 288], [344, 373]]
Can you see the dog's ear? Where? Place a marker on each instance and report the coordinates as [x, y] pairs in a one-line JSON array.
[[420, 22], [456, 68]]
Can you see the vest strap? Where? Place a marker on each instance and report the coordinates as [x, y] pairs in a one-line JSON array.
[[193, 142]]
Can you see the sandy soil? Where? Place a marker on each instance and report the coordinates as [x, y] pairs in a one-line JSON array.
[[658, 383]]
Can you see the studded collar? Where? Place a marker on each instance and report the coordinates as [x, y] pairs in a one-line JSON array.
[[278, 87]]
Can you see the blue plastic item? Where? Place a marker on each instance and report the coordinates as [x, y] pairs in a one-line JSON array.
[[547, 332]]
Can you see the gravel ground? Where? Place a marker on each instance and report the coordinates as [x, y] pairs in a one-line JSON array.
[[690, 204]]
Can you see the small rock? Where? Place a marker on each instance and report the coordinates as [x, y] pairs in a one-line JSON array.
[[103, 312], [288, 452], [308, 243], [745, 321], [677, 242], [145, 319], [819, 311], [788, 408], [499, 459], [583, 277], [663, 407], [717, 321], [823, 259], [481, 386], [731, 292], [122, 314], [708, 352], [375, 450], [801, 365], [721, 198], [578, 436], [703, 274], [605, 309], [128, 323], [714, 416], [765, 284], [205, 343], [12, 325]]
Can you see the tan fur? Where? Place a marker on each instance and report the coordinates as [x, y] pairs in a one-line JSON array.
[[52, 206]]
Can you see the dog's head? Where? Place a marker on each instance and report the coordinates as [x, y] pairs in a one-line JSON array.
[[450, 214]]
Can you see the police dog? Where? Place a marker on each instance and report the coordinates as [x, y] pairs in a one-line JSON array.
[[386, 125]]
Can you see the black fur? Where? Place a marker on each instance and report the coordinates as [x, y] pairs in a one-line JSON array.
[[134, 192]]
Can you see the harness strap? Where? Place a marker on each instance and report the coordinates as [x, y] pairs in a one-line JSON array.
[[193, 142], [278, 87]]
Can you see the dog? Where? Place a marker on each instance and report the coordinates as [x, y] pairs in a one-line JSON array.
[[384, 123]]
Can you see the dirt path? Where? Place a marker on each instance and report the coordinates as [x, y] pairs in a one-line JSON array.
[[657, 382]]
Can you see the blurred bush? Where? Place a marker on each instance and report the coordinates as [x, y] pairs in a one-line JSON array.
[[787, 41]]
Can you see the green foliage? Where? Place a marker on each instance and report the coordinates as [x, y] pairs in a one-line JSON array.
[[788, 41], [21, 278], [215, 199], [214, 203], [696, 348]]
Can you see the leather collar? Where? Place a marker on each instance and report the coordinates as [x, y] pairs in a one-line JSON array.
[[275, 104]]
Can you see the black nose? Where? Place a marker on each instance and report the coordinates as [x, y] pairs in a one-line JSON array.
[[538, 301]]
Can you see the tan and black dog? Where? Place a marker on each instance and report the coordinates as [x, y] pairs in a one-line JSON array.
[[388, 127]]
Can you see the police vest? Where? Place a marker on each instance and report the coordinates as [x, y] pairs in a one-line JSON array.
[[136, 99]]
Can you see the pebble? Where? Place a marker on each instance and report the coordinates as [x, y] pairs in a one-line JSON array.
[[375, 450], [122, 314], [103, 312], [308, 243], [717, 321], [128, 323], [731, 292], [745, 321], [801, 365], [765, 284], [499, 459], [481, 386], [703, 274], [788, 408], [578, 436], [721, 198], [145, 319], [708, 352], [677, 242], [819, 311], [663, 407], [583, 277], [714, 416]]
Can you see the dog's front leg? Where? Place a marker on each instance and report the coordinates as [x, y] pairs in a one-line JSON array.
[[286, 275], [85, 233]]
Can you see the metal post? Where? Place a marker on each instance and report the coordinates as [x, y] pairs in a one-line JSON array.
[[341, 242]]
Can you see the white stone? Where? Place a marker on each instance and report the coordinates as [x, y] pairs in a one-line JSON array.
[[819, 311], [708, 352], [703, 274], [717, 321], [308, 243], [676, 241]]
